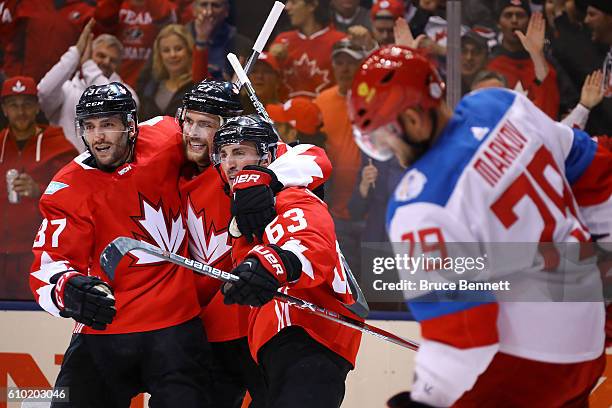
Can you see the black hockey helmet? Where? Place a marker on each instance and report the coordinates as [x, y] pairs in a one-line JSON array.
[[220, 98], [104, 100], [249, 128]]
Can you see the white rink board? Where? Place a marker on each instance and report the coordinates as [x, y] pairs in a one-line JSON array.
[[383, 369]]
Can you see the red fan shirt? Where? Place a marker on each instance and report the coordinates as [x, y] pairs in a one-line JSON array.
[[136, 27], [40, 33], [41, 157], [307, 70]]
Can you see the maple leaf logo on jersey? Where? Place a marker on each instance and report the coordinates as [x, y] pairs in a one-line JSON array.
[[206, 243], [306, 71], [153, 222]]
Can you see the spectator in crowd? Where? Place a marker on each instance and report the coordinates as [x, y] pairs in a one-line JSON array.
[[36, 152], [298, 121], [217, 36], [591, 95], [474, 58], [136, 23], [599, 20], [305, 52], [265, 77], [520, 57], [341, 148], [488, 79], [40, 31], [424, 10], [570, 41], [8, 10], [478, 13], [374, 185], [172, 73], [89, 62], [184, 10], [348, 13], [384, 13]]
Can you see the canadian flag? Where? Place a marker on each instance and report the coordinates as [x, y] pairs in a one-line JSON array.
[[18, 87]]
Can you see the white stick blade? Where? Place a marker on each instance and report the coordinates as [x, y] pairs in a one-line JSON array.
[[242, 76]]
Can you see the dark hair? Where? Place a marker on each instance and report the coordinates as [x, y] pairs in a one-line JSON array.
[[486, 75], [322, 12]]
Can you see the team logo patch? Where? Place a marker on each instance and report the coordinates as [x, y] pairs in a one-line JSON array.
[[54, 187], [18, 87], [411, 186]]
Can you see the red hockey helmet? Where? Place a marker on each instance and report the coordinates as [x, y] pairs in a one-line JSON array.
[[392, 79]]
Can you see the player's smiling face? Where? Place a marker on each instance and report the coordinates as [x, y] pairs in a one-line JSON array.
[[235, 156], [198, 132], [107, 138]]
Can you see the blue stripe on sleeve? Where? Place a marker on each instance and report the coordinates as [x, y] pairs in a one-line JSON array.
[[580, 156]]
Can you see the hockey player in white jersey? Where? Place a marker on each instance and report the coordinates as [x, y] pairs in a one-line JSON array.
[[496, 170]]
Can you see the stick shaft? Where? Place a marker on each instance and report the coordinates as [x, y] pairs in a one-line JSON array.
[[129, 244], [263, 37]]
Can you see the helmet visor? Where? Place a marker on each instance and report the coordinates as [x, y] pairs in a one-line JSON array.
[[376, 143], [241, 151], [86, 129]]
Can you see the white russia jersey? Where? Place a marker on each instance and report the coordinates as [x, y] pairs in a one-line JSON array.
[[499, 173]]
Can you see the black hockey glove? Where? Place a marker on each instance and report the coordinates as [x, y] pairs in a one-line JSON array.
[[86, 299], [264, 270], [253, 200]]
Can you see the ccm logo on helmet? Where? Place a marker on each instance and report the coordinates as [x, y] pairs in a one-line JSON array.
[[270, 257], [90, 104], [247, 178]]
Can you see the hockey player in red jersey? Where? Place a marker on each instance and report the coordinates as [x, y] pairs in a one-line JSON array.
[[304, 357], [496, 170], [140, 332], [208, 210]]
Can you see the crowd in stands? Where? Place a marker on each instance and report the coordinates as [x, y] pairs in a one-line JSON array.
[[557, 52]]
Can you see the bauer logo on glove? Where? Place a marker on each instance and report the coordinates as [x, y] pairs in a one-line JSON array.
[[265, 269]]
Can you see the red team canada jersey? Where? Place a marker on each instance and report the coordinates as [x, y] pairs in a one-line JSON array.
[[84, 209], [136, 28], [206, 208], [307, 70], [304, 226]]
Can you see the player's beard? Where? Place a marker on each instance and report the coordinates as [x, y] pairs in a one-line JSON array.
[[117, 154], [200, 155]]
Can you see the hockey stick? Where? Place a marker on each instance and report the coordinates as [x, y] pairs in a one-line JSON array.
[[263, 36], [119, 247], [360, 307], [246, 82]]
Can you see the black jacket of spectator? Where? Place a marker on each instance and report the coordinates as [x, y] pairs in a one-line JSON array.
[[148, 107], [478, 13], [224, 40], [372, 209], [573, 48], [579, 56]]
